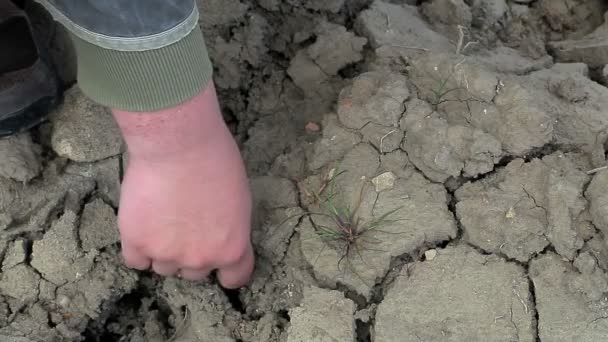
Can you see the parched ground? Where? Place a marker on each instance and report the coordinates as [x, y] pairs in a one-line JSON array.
[[464, 140]]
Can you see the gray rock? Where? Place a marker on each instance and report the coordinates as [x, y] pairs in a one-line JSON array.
[[323, 316], [84, 131], [460, 295]]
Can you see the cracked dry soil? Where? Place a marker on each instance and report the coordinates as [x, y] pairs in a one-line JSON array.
[[480, 125]]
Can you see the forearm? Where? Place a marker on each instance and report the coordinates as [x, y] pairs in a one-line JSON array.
[[176, 132]]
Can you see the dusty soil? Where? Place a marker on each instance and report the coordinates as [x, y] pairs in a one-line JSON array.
[[468, 136]]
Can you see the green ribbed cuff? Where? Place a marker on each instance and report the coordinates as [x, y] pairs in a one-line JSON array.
[[144, 81]]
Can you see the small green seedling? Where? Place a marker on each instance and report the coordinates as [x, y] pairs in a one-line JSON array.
[[346, 231]]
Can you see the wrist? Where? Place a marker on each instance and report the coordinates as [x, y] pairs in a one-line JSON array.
[[174, 132]]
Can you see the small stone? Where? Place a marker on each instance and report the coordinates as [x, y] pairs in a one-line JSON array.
[[84, 131], [313, 127], [63, 301], [384, 181], [430, 254]]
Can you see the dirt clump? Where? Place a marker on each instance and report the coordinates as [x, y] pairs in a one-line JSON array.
[[418, 210], [98, 226], [525, 207], [84, 131], [460, 295], [597, 194], [323, 316], [447, 16], [20, 158], [399, 27], [565, 312]]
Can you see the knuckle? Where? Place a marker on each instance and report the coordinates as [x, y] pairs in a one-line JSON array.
[[196, 263], [234, 254]]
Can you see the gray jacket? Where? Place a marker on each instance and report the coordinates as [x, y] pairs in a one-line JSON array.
[[136, 55], [126, 25]]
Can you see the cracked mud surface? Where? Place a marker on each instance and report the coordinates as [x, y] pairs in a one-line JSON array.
[[484, 163]]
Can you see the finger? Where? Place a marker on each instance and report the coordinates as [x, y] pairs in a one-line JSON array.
[[135, 259], [237, 275], [193, 274], [165, 268]]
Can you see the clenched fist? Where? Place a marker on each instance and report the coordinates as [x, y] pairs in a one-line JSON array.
[[185, 207]]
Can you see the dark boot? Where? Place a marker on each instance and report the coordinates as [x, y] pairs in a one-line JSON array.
[[29, 87]]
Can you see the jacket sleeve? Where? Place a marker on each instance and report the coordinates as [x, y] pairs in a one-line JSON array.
[[136, 55]]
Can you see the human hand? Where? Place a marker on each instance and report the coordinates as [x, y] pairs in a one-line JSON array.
[[185, 205]]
